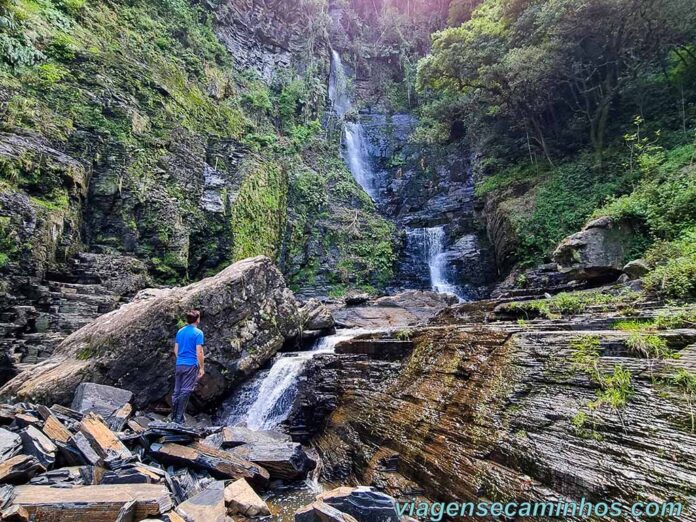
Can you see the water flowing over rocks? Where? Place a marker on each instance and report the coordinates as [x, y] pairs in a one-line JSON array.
[[248, 314]]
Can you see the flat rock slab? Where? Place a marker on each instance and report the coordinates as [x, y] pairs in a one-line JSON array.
[[39, 445], [238, 435], [19, 469], [321, 512], [283, 460], [208, 506], [93, 503], [103, 440], [363, 503], [221, 464], [99, 398], [10, 444], [241, 498]]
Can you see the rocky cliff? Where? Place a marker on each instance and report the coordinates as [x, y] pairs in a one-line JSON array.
[[535, 409]]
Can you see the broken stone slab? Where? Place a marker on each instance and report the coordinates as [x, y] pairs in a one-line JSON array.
[[321, 512], [14, 514], [10, 444], [6, 495], [68, 476], [39, 445], [53, 428], [362, 502], [19, 469], [85, 454], [23, 420], [103, 440], [221, 464], [66, 413], [208, 505], [7, 414], [241, 498], [118, 419], [135, 474], [93, 502], [184, 484], [239, 435], [172, 432], [99, 398], [283, 460]]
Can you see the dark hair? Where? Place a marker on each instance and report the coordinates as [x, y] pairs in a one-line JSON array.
[[192, 316]]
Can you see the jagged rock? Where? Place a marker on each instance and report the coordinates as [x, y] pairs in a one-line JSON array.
[[10, 444], [184, 484], [53, 428], [363, 503], [19, 469], [39, 445], [208, 505], [241, 498], [356, 298], [134, 474], [597, 252], [26, 419], [100, 399], [93, 502], [283, 460], [376, 346], [220, 464], [171, 432], [86, 454], [14, 514], [233, 436], [6, 495], [317, 316], [103, 440], [636, 269], [118, 419], [321, 512], [68, 476], [248, 314]]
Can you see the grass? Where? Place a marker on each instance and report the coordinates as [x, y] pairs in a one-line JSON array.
[[685, 381], [573, 303]]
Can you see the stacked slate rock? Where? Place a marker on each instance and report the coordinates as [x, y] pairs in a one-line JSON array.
[[99, 460]]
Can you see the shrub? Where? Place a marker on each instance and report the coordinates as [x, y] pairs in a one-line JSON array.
[[675, 279]]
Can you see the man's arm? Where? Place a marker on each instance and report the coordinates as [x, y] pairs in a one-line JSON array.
[[201, 361], [176, 349]]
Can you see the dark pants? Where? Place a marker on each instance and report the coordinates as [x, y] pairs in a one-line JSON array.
[[185, 379]]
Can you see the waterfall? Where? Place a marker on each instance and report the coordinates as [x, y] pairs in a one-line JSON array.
[[355, 152], [430, 245], [266, 400]]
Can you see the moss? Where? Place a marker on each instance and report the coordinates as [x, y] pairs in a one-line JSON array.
[[260, 211]]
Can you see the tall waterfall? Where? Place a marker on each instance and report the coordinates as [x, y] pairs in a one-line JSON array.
[[430, 244], [355, 151], [266, 400]]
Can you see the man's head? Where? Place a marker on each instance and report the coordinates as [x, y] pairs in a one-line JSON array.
[[193, 317]]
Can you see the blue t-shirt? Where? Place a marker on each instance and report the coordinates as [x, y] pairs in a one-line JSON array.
[[188, 338]]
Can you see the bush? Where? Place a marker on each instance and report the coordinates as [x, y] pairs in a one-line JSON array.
[[675, 279]]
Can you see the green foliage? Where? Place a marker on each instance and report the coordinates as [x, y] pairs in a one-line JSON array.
[[649, 346], [585, 356], [617, 390], [260, 211], [8, 241], [685, 381], [674, 272], [573, 303]]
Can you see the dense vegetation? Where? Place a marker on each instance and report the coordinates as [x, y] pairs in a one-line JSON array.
[[144, 95], [577, 109]]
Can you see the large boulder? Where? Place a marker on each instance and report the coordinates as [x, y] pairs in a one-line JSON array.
[[101, 399], [247, 316], [598, 252]]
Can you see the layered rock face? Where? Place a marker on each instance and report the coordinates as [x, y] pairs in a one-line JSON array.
[[508, 413], [248, 314]]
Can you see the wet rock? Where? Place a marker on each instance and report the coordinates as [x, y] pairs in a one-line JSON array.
[[233, 436], [597, 252], [208, 505], [39, 445], [321, 512], [10, 444], [283, 460], [363, 503], [248, 314], [242, 499], [636, 269], [100, 399], [19, 469], [93, 502], [404, 309], [220, 464], [376, 346]]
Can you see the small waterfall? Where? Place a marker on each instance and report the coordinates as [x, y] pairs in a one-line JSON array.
[[355, 152], [430, 244], [266, 400]]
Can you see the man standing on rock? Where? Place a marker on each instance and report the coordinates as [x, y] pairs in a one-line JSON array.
[[188, 350]]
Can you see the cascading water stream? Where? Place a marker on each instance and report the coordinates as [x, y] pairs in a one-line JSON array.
[[266, 400], [355, 152], [430, 244]]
